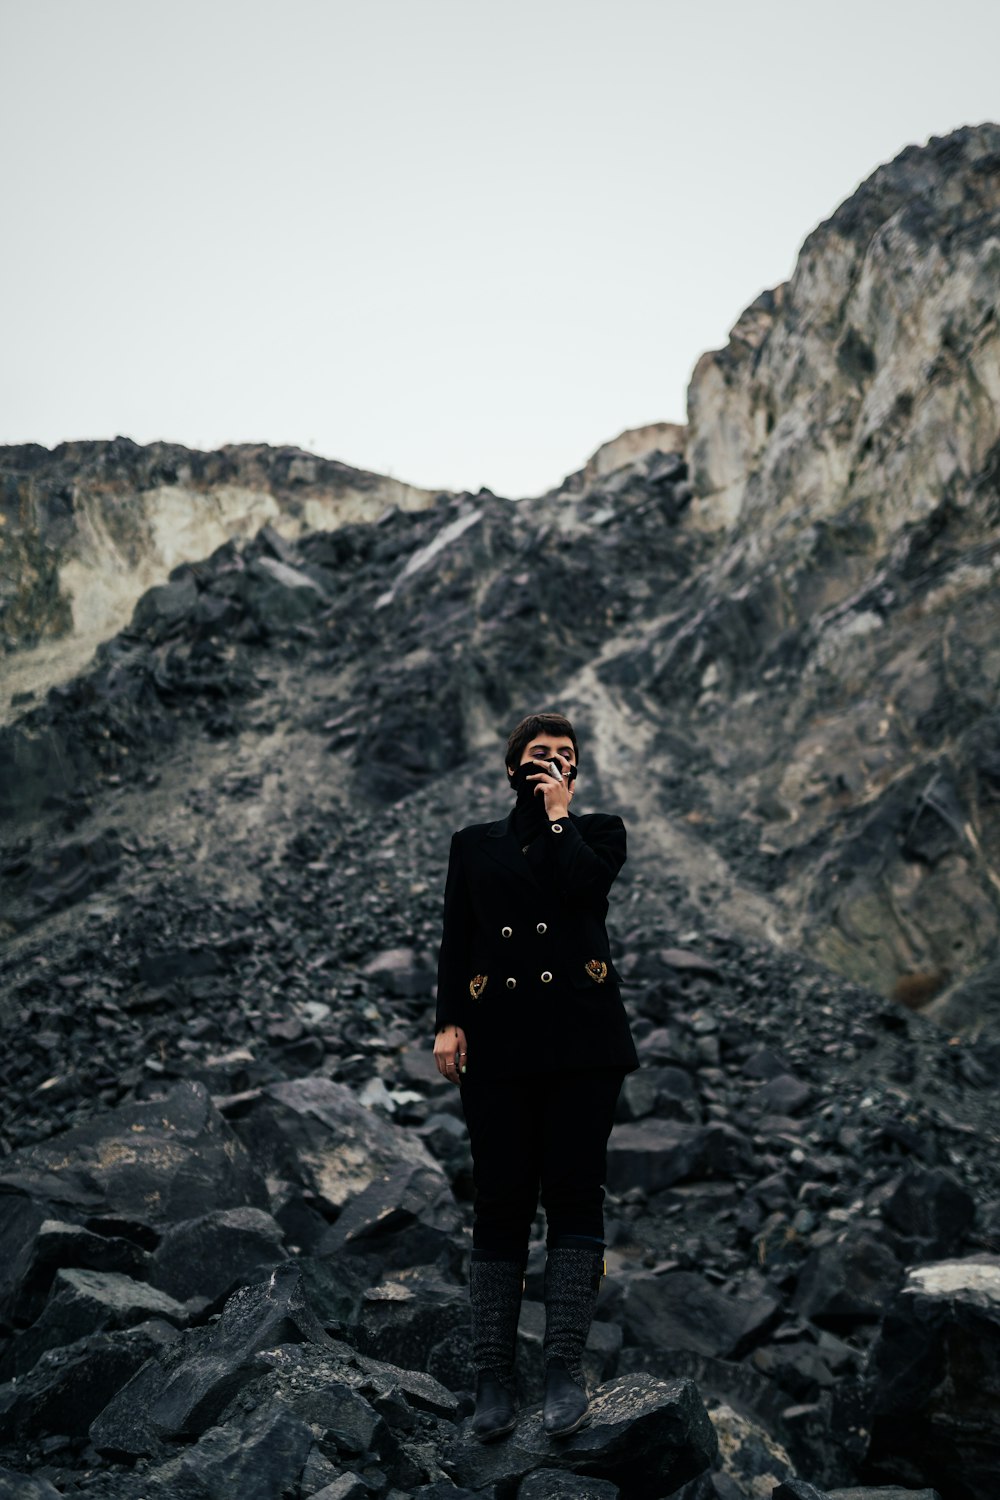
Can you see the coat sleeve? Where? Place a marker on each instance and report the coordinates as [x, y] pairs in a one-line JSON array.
[[456, 944], [587, 868]]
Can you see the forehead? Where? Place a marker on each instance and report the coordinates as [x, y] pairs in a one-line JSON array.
[[549, 741]]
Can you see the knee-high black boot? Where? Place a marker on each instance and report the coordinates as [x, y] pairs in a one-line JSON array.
[[495, 1287], [573, 1270]]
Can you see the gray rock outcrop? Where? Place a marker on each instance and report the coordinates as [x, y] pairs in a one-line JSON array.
[[869, 383], [88, 527], [934, 1379], [828, 658]]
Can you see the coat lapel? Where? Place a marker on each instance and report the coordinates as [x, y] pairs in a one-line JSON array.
[[500, 842]]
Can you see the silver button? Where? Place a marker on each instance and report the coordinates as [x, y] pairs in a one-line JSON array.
[[542, 927], [511, 982], [546, 977], [506, 931], [556, 827]]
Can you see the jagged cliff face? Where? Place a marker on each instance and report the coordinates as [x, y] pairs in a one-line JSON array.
[[88, 527], [617, 461], [785, 663], [868, 384], [839, 653]]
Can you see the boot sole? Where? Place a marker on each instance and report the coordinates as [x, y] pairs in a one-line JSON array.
[[583, 1421], [494, 1433]]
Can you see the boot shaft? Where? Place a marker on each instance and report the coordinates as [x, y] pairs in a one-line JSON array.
[[496, 1286], [573, 1275]]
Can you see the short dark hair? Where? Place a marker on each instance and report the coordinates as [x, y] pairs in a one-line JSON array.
[[553, 724]]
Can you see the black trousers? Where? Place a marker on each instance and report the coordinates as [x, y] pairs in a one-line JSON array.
[[541, 1134]]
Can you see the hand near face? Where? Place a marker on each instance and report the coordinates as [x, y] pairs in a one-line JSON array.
[[557, 794]]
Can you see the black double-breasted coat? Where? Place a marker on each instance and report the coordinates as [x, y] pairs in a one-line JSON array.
[[525, 965]]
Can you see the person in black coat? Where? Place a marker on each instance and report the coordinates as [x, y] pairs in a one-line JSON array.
[[530, 1024]]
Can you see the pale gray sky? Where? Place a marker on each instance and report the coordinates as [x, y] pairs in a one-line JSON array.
[[458, 242]]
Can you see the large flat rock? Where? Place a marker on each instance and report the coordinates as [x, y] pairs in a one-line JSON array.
[[648, 1436], [934, 1379], [314, 1131], [151, 1163]]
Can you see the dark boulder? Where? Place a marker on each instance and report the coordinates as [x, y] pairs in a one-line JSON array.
[[298, 1374], [681, 1310], [400, 972], [783, 1095], [929, 1211], [360, 1411], [851, 1279], [447, 1139], [24, 1487], [422, 1324], [70, 1385], [181, 1395], [315, 1133], [165, 608], [21, 1220], [338, 1412], [648, 1436], [750, 1462], [765, 1065], [665, 1091], [933, 1380], [334, 1287], [213, 1255], [258, 1458], [26, 1278], [638, 1096], [407, 1217], [655, 1154], [149, 1163], [164, 966], [73, 869], [881, 1492], [278, 595], [84, 1302], [556, 1484], [444, 1489], [350, 1486], [799, 1368]]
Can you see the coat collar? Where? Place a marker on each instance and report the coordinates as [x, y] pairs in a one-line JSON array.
[[501, 842]]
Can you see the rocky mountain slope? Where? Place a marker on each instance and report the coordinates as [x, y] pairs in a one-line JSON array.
[[222, 862], [88, 527], [845, 447]]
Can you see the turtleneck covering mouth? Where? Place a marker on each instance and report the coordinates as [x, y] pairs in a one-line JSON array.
[[530, 817]]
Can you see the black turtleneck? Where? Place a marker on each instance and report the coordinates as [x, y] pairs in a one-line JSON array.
[[530, 817]]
